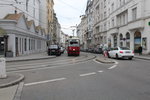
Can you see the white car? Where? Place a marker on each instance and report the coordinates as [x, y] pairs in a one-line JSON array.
[[121, 52]]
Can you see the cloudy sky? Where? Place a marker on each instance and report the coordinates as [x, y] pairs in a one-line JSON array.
[[68, 13]]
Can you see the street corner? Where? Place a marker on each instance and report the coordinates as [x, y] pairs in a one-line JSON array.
[[104, 60], [11, 79]]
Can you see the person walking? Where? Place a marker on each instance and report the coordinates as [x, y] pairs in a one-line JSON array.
[[140, 50]]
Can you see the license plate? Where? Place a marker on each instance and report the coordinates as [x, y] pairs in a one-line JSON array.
[[128, 52]]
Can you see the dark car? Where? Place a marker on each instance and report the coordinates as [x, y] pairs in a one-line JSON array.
[[54, 50]]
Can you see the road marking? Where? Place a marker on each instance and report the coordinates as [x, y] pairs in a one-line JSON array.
[[100, 71], [114, 66], [87, 74], [116, 62], [47, 81]]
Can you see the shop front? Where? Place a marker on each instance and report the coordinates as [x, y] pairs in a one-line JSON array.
[[137, 41]]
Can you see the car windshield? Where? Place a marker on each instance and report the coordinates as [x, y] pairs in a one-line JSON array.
[[124, 48], [53, 46]]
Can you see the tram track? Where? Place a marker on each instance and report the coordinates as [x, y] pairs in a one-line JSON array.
[[50, 64]]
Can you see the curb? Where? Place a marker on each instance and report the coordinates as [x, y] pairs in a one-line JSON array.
[[106, 62], [142, 58], [30, 59], [19, 91], [13, 82]]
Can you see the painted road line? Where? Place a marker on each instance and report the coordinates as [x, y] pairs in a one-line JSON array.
[[87, 74], [100, 71], [116, 62], [47, 81], [114, 66]]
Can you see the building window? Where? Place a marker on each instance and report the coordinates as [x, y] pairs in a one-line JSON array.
[[128, 40], [134, 14], [34, 2], [27, 5], [113, 23], [29, 45], [97, 29], [105, 14], [34, 13], [115, 40], [105, 26], [20, 44], [112, 7], [121, 40], [25, 44]]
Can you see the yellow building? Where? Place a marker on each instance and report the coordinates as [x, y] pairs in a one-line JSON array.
[[46, 17]]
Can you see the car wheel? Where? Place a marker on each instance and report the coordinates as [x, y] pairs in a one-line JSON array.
[[130, 58], [116, 56]]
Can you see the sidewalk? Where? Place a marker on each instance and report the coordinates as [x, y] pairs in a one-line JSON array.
[[106, 60], [30, 57], [9, 86], [144, 57]]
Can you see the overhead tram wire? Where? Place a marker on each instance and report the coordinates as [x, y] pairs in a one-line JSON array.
[[69, 5], [35, 8], [42, 10], [23, 12]]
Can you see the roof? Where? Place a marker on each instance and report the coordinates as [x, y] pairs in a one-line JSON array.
[[13, 16]]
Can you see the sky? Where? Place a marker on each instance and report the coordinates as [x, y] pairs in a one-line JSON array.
[[68, 13]]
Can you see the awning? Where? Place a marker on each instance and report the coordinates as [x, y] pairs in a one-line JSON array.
[[2, 32]]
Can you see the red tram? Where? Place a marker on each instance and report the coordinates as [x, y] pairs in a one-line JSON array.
[[73, 47]]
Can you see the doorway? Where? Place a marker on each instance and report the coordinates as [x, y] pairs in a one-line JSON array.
[[1, 45], [137, 41]]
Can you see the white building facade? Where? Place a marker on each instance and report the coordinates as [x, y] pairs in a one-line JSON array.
[[23, 37], [82, 30], [63, 39], [122, 23], [31, 8], [89, 15]]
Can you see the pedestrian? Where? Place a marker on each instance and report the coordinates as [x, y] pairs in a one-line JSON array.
[[140, 50]]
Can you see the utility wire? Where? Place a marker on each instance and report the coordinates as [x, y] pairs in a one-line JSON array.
[[69, 5], [41, 10]]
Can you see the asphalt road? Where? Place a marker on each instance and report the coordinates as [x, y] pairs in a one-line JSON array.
[[82, 78]]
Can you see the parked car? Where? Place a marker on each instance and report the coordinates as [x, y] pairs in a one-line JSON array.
[[54, 50], [121, 52], [99, 51]]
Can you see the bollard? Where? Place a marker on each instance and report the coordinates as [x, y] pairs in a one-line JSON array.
[[2, 68]]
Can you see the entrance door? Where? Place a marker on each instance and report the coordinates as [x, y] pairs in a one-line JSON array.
[[1, 45], [137, 41], [17, 49]]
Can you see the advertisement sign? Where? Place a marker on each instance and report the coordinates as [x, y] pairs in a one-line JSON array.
[[144, 43]]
